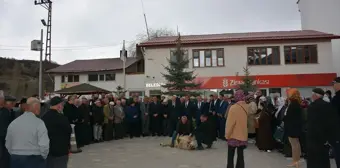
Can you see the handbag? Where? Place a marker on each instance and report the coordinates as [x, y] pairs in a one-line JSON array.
[[278, 135]]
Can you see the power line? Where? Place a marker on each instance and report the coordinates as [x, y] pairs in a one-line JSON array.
[[65, 47]]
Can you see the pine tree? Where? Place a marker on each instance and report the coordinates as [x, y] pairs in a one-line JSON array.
[[120, 91], [247, 81], [179, 81]]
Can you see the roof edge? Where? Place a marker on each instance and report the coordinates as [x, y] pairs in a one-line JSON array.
[[155, 44]]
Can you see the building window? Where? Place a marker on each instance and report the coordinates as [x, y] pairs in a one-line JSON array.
[[110, 77], [62, 79], [208, 58], [185, 56], [264, 55], [101, 77], [73, 78], [93, 77], [304, 54]]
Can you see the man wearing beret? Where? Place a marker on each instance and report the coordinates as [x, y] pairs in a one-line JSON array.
[[59, 133], [322, 127]]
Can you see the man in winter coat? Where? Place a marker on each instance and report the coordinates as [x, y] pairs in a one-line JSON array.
[[336, 105], [321, 126]]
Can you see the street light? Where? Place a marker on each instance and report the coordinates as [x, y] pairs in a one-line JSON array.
[[43, 22], [37, 45]]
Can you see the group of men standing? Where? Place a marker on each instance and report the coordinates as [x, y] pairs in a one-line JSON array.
[[29, 140], [101, 118]]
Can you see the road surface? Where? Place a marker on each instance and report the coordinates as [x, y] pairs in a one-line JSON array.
[[147, 153]]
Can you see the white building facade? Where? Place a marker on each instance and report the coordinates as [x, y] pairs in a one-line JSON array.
[[285, 60], [103, 73], [323, 16], [276, 60]]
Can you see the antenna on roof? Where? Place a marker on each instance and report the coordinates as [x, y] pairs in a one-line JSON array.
[[146, 22]]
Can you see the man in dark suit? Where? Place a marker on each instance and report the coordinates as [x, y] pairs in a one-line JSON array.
[[156, 114], [175, 112], [189, 108], [223, 106], [214, 105], [199, 110]]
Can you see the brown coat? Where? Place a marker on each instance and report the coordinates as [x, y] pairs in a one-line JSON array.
[[251, 117], [236, 127], [108, 113], [264, 138]]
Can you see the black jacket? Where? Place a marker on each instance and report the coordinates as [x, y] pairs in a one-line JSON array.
[[71, 112], [204, 129], [322, 123], [59, 132], [85, 110], [98, 115], [174, 110], [189, 110], [184, 129], [293, 120], [5, 120], [155, 109], [336, 102]]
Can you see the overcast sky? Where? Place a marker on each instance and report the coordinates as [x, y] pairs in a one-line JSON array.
[[85, 29]]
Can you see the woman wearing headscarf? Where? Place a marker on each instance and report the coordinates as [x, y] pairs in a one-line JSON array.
[[293, 124], [237, 130], [265, 139]]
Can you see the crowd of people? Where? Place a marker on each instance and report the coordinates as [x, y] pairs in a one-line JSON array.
[[40, 136]]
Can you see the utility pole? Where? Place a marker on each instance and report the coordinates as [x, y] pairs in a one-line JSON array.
[[41, 66], [37, 45], [145, 20], [47, 4]]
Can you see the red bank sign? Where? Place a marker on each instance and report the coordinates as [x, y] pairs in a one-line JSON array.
[[267, 81]]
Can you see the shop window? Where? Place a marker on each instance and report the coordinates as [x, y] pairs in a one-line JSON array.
[[184, 56], [264, 55], [208, 58], [304, 54]]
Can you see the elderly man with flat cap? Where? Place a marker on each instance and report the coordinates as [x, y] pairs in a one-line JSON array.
[[322, 127], [59, 132]]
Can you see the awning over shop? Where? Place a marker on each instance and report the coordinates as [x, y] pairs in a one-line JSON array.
[[81, 89]]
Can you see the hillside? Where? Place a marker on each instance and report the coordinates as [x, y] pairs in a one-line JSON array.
[[20, 77]]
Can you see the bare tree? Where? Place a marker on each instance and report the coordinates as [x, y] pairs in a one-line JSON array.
[[142, 37]]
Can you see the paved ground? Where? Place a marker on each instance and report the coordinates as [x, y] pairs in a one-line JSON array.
[[147, 153]]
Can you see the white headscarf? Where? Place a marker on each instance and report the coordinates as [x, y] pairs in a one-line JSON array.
[[326, 98], [281, 103]]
